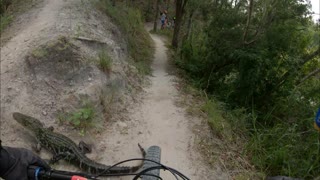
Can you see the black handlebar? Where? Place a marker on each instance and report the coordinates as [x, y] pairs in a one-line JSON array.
[[37, 173], [150, 170]]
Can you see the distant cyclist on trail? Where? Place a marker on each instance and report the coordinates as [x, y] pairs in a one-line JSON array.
[[163, 19]]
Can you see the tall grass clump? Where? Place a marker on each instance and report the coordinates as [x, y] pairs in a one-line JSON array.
[[105, 61], [286, 143], [131, 24], [5, 20]]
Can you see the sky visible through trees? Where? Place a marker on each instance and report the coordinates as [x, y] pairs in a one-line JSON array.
[[315, 8]]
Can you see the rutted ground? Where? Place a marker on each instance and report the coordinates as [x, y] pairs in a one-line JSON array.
[[151, 119]]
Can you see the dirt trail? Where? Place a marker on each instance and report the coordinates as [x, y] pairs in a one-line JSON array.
[[38, 27], [155, 119]]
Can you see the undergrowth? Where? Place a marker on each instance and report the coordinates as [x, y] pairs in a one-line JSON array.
[[130, 22], [289, 147], [266, 144]]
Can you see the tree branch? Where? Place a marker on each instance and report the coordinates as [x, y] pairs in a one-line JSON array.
[[313, 73], [303, 62], [245, 34], [310, 56]]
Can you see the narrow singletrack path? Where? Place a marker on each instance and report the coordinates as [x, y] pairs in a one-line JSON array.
[[157, 120]]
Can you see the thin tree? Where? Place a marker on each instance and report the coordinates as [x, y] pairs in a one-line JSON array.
[[156, 16], [180, 10]]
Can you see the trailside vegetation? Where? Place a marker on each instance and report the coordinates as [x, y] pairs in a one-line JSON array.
[[5, 17], [11, 8], [262, 57]]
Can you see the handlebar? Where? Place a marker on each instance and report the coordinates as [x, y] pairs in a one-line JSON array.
[[35, 172], [149, 171]]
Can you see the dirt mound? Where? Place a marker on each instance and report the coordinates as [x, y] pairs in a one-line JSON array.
[[48, 71], [59, 74], [57, 60]]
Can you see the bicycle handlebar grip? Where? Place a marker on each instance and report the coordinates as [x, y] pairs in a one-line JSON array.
[[78, 178], [35, 172], [32, 172]]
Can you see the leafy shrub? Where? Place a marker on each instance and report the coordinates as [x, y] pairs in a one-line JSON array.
[[81, 119]]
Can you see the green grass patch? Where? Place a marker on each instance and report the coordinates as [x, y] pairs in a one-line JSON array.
[[81, 118], [130, 22], [105, 61], [216, 119], [5, 20]]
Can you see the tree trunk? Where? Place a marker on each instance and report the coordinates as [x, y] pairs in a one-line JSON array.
[[190, 24], [180, 6], [156, 18], [245, 34]]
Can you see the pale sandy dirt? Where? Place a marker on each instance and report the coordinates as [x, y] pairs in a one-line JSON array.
[[152, 119]]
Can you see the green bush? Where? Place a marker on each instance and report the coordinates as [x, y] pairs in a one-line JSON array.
[[81, 118]]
